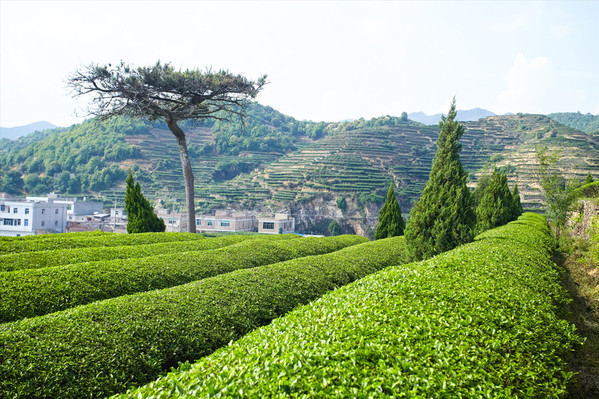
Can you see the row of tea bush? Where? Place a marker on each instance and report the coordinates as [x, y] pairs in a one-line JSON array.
[[105, 347], [479, 321]]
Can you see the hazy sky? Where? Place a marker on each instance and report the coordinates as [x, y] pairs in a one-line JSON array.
[[324, 60]]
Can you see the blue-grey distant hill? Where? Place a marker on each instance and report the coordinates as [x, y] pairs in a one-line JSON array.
[[12, 133], [470, 115]]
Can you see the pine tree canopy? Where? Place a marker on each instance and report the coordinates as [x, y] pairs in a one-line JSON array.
[[391, 222], [443, 217]]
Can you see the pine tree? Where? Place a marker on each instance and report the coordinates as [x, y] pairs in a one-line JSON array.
[[589, 179], [443, 217], [517, 205], [391, 222], [496, 206], [140, 215]]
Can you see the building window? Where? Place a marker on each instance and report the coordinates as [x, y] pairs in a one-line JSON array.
[[56, 211], [17, 222], [43, 223], [15, 210], [268, 225], [198, 222], [26, 211], [56, 223], [8, 222], [225, 223], [2, 207], [26, 222], [70, 207], [43, 211], [209, 222]]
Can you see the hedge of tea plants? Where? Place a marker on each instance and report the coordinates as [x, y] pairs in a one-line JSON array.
[[77, 240], [105, 347], [57, 257], [476, 322], [35, 292]]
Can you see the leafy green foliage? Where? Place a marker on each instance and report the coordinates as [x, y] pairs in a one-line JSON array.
[[516, 204], [34, 292], [559, 195], [140, 214], [477, 322], [587, 123], [443, 217], [334, 228], [110, 345], [69, 256], [496, 207], [83, 240], [391, 222]]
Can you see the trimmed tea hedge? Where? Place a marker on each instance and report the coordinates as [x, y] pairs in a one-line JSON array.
[[476, 322], [57, 257], [76, 240], [35, 292], [105, 347]]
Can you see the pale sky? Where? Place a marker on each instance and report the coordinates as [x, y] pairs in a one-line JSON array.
[[324, 60]]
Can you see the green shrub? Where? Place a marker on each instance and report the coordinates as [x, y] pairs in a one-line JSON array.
[[105, 347], [475, 322], [35, 292], [76, 240], [57, 257]]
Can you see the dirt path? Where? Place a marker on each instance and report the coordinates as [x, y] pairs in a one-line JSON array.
[[581, 279]]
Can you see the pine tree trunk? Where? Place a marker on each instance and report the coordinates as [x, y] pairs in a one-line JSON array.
[[187, 174]]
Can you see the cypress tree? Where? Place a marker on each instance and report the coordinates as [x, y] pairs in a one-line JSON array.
[[516, 203], [443, 217], [391, 223], [140, 215], [589, 178], [496, 206]]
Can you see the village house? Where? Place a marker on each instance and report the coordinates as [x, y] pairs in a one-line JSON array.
[[281, 223], [31, 216]]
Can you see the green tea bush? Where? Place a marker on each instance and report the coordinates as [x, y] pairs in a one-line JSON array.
[[77, 240], [475, 322], [105, 347], [35, 292], [57, 257]]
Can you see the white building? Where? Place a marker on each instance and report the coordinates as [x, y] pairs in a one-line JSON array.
[[20, 217], [224, 221], [281, 223], [77, 210]]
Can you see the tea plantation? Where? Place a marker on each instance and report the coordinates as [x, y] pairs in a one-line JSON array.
[[282, 316]]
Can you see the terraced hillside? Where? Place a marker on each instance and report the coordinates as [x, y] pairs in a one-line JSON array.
[[273, 162]]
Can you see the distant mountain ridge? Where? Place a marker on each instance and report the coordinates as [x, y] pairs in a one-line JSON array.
[[470, 115], [13, 133]]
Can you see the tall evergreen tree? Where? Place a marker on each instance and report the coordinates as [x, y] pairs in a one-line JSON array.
[[140, 215], [496, 206], [443, 217], [479, 191], [391, 222], [517, 205], [589, 178]]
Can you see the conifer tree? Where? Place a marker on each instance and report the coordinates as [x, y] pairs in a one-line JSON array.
[[496, 206], [140, 215], [391, 222], [589, 178], [517, 205], [443, 217]]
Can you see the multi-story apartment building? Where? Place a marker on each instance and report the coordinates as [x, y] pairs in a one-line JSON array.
[[19, 217]]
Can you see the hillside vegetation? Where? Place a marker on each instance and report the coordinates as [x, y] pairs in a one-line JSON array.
[[272, 161]]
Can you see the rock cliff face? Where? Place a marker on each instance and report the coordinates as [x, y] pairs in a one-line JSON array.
[[584, 221], [318, 212]]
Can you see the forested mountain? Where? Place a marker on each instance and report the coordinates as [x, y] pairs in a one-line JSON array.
[[271, 161], [585, 122]]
